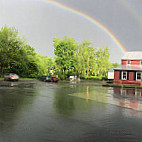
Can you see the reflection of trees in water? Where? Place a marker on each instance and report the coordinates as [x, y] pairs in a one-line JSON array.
[[94, 93], [68, 100], [13, 101], [87, 93], [63, 104]]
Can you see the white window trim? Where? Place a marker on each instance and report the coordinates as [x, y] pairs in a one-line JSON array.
[[122, 75], [136, 76]]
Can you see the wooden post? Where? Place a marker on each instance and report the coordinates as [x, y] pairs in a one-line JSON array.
[[120, 82], [141, 83], [104, 82]]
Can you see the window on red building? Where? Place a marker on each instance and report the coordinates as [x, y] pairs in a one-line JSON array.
[[138, 75], [124, 75], [128, 62]]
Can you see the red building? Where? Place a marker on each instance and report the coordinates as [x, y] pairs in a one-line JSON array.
[[130, 70]]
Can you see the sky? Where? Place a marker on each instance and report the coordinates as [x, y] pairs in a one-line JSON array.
[[39, 21]]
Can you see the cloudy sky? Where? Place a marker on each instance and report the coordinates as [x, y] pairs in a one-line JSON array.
[[40, 21]]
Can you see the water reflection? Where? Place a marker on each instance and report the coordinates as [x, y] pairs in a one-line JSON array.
[[92, 93], [94, 114], [135, 92], [64, 104], [68, 99], [67, 112], [128, 97], [87, 93], [13, 101], [20, 84]]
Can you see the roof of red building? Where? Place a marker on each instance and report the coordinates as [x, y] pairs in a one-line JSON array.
[[129, 67], [133, 55]]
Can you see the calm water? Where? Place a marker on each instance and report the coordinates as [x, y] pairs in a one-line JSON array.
[[69, 112]]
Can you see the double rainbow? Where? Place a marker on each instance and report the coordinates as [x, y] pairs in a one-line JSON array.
[[94, 21]]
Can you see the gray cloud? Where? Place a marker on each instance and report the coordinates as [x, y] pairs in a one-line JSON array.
[[40, 22]]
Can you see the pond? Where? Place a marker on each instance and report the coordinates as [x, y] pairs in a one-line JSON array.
[[69, 112]]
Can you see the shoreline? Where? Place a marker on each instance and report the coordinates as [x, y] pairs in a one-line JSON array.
[[122, 85]]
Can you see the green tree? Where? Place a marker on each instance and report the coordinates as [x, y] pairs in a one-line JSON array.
[[115, 65], [103, 64], [86, 58], [18, 57], [65, 55], [8, 47]]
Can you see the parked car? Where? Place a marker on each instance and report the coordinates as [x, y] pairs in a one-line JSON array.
[[54, 79], [45, 78], [11, 77], [48, 79]]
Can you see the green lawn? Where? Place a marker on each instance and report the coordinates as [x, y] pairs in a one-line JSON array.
[[27, 78], [24, 78], [122, 85]]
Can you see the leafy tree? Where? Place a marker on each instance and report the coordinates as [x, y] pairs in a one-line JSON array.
[[65, 55], [83, 60], [86, 58], [70, 58], [8, 47], [18, 57], [115, 65], [103, 64]]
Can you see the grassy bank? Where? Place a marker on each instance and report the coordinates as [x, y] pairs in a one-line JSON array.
[[100, 78], [27, 78], [122, 85]]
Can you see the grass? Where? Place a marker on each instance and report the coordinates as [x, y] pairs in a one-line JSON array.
[[27, 78], [122, 85], [100, 78]]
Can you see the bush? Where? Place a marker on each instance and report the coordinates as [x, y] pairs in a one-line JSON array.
[[94, 78]]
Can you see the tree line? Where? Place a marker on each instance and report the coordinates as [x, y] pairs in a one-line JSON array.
[[82, 60], [71, 58]]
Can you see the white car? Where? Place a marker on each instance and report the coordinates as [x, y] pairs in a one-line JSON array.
[[10, 77]]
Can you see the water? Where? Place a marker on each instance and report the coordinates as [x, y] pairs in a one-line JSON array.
[[69, 112]]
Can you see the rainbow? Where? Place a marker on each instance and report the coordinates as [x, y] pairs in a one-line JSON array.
[[129, 7], [94, 21]]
